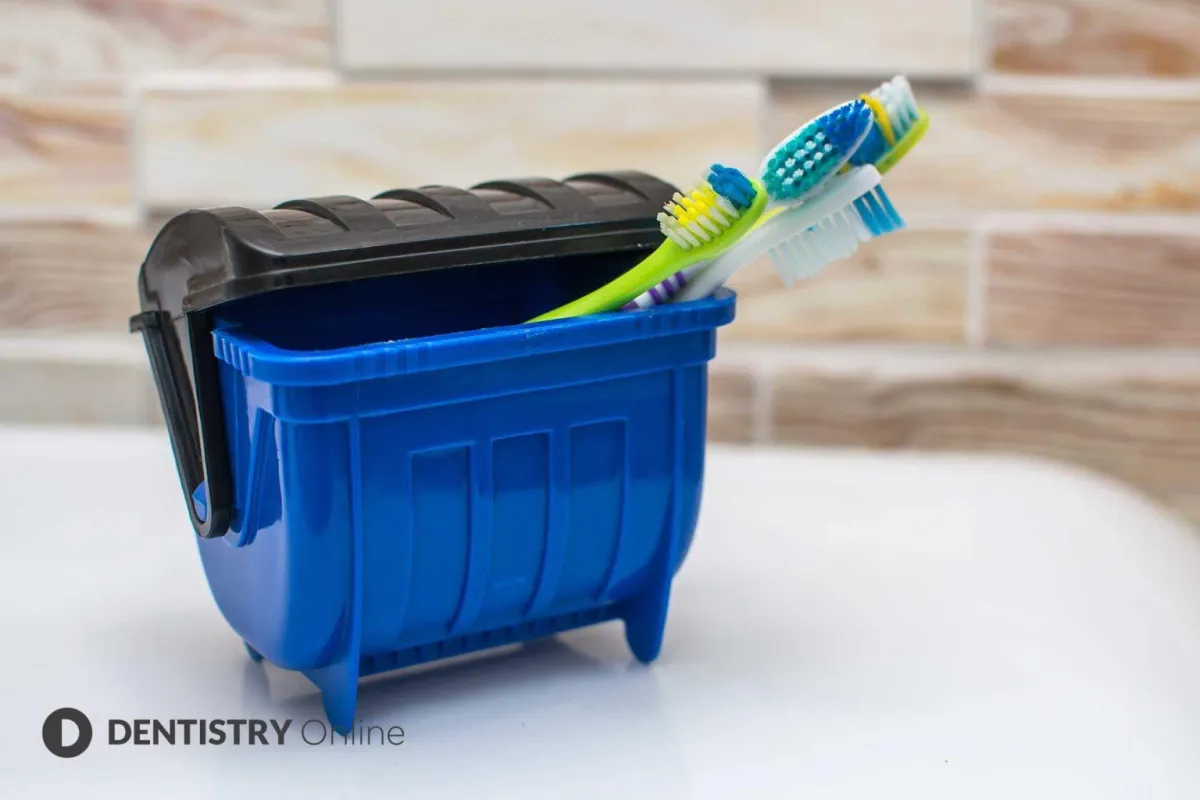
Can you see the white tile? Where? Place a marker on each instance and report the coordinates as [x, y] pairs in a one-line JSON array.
[[62, 149], [105, 41], [785, 37], [100, 379], [260, 146]]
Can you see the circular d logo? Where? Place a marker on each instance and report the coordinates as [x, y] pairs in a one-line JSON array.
[[57, 735]]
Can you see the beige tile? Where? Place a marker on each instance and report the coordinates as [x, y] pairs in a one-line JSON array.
[[1076, 288], [1130, 421], [1005, 151], [732, 393], [63, 150], [264, 146], [1096, 37], [96, 379], [908, 286], [677, 36], [69, 275], [106, 41]]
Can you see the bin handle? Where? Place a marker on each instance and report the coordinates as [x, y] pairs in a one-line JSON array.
[[198, 443]]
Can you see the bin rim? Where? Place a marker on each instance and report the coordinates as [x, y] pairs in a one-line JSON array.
[[261, 360]]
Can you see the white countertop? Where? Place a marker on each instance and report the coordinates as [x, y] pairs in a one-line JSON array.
[[846, 626]]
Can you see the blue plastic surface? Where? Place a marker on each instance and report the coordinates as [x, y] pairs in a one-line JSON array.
[[402, 497]]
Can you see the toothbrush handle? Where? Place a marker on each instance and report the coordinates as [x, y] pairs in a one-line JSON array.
[[664, 291], [662, 262], [708, 278]]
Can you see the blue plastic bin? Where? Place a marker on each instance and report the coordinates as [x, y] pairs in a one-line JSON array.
[[407, 486]]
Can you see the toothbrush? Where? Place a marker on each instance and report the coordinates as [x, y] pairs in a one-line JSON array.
[[797, 168], [662, 293], [699, 226], [800, 165], [802, 240], [899, 125]]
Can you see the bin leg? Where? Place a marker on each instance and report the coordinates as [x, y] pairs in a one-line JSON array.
[[646, 620], [255, 656], [338, 679], [338, 683], [645, 613]]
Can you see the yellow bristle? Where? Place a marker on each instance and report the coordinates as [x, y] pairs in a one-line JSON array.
[[695, 206]]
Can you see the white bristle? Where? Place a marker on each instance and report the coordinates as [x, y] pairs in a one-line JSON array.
[[709, 224], [842, 226], [808, 252], [896, 97], [716, 212], [804, 239], [708, 215], [696, 228]]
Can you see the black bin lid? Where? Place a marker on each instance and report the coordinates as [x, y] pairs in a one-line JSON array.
[[202, 259]]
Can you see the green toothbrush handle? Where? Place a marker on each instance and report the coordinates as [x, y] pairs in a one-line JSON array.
[[659, 265]]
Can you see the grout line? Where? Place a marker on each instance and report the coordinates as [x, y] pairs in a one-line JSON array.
[[1105, 88], [937, 220], [115, 216], [762, 404], [981, 39], [975, 310], [77, 348], [905, 359], [774, 76], [196, 80], [334, 35], [133, 116], [766, 111], [496, 74], [1182, 224], [1115, 222]]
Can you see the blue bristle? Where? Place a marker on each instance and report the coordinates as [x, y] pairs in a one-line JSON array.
[[733, 185], [789, 175], [872, 148], [878, 213]]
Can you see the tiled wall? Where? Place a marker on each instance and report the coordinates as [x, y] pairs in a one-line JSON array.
[[1045, 301]]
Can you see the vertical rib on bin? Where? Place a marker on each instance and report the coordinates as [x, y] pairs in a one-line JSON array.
[[479, 536], [559, 522]]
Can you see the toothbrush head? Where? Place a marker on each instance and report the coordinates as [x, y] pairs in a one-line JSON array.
[[803, 238], [699, 225], [896, 97], [899, 125], [710, 209], [801, 164], [845, 225]]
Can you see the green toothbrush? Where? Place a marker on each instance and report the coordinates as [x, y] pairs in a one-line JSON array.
[[699, 226]]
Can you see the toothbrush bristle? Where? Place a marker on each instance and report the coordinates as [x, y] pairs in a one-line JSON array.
[[836, 237], [732, 185], [896, 97], [708, 209], [814, 154], [877, 213]]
